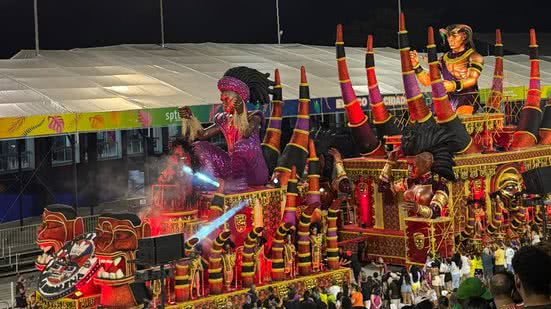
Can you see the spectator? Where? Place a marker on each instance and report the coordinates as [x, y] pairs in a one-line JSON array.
[[366, 284], [487, 264], [465, 267], [394, 291], [346, 302], [424, 304], [445, 274], [536, 237], [472, 287], [509, 253], [405, 287], [478, 269], [532, 266], [415, 279], [20, 296], [307, 302], [476, 303], [335, 289], [376, 302], [499, 256], [252, 294], [357, 297], [443, 302], [272, 299], [502, 287], [455, 270]]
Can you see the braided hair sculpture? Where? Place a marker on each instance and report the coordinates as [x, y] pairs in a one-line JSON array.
[[430, 137], [258, 83]]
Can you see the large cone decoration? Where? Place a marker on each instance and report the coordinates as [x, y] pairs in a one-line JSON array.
[[445, 115], [418, 110], [272, 138], [314, 169], [530, 117], [296, 151], [496, 95], [363, 135], [290, 211], [385, 122]]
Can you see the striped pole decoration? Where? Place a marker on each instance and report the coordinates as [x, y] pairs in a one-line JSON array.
[[296, 151], [272, 138], [418, 110], [445, 115], [290, 212], [496, 95], [278, 265], [304, 254], [363, 135], [530, 116], [247, 264], [216, 285], [385, 122], [332, 239], [314, 169], [181, 287]]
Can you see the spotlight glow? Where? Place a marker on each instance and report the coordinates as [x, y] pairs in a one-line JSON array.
[[212, 226], [204, 178]]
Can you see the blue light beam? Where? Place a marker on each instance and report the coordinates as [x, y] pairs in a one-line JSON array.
[[204, 178], [206, 230]]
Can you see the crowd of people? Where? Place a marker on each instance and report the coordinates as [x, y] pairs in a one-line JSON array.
[[501, 277]]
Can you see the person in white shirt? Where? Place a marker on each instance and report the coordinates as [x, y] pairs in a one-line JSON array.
[[465, 267], [509, 253], [335, 289]]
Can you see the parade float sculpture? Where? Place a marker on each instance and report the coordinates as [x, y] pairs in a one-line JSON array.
[[461, 67], [240, 128], [60, 225], [483, 159], [116, 242]]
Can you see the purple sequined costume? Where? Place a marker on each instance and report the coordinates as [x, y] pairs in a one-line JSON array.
[[242, 166]]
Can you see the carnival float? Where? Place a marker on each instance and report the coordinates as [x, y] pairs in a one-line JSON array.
[[259, 215]]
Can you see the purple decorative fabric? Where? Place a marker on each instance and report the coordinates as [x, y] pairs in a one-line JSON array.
[[302, 124], [242, 166], [228, 83], [313, 199], [275, 123], [348, 94], [410, 85], [290, 217], [375, 95]]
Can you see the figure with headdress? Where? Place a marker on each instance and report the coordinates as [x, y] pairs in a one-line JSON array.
[[239, 127], [428, 150], [316, 244], [289, 253], [461, 67], [228, 264], [196, 272]]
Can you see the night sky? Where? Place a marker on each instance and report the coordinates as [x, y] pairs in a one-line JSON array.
[[66, 24]]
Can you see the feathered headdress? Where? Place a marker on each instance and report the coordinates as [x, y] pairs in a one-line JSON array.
[[429, 137]]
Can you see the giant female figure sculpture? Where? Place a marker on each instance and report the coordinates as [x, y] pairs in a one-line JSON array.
[[239, 127]]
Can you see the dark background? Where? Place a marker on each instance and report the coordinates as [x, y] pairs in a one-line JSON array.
[[66, 24]]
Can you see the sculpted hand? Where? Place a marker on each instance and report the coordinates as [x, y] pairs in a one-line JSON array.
[[393, 155], [185, 112], [336, 154], [414, 58]]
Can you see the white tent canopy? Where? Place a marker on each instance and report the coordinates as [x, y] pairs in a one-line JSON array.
[[129, 77]]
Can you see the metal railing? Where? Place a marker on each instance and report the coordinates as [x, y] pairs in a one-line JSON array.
[[20, 239]]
